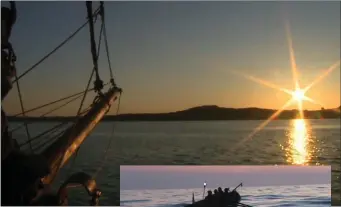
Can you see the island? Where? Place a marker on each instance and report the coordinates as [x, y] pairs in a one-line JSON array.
[[205, 113]]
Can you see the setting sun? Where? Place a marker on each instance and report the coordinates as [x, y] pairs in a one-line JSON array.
[[298, 95]]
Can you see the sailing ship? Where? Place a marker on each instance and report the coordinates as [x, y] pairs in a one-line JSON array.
[[220, 198], [18, 188]]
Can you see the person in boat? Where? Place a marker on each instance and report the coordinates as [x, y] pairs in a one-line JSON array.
[[216, 193], [209, 195], [217, 198], [234, 197], [220, 196], [210, 199], [220, 191], [228, 197]]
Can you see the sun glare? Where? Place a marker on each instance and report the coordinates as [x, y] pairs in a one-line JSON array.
[[298, 95], [301, 147]]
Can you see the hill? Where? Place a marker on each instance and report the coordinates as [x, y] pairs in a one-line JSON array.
[[205, 113]]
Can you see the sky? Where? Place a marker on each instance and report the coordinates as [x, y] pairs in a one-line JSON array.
[[170, 56], [183, 177]]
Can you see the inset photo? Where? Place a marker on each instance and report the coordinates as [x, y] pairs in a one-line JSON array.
[[222, 186]]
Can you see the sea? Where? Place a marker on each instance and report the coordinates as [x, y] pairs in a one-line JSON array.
[[281, 142], [268, 196]]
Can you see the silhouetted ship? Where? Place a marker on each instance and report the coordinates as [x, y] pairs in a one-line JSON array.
[[26, 177]]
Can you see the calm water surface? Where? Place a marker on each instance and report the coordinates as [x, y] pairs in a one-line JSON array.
[[309, 142], [303, 195]]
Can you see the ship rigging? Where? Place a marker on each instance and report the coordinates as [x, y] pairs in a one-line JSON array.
[[56, 145]]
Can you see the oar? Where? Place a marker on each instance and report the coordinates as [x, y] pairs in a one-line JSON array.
[[241, 184], [241, 204]]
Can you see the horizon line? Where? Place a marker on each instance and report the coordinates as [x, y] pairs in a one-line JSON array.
[[176, 111], [255, 186]]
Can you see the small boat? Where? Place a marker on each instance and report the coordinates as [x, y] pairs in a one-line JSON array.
[[220, 198]]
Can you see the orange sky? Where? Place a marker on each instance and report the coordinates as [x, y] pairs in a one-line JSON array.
[[170, 56]]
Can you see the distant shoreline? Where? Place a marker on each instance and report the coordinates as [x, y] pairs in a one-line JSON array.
[[211, 188], [203, 113]]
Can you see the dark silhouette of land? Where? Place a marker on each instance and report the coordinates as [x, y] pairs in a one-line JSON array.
[[206, 113]]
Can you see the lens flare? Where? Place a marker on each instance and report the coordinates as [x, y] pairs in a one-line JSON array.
[[298, 95]]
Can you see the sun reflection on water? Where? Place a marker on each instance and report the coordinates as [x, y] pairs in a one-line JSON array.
[[300, 147]]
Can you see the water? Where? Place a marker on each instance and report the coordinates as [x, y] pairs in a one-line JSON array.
[[313, 142], [270, 196]]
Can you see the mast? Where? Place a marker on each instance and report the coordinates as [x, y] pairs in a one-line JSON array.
[[62, 149], [22, 188]]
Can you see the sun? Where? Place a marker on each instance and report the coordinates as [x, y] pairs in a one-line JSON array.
[[298, 95]]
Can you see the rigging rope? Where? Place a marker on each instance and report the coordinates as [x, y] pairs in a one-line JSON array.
[[98, 84], [95, 60], [92, 73], [106, 43], [49, 112], [13, 59], [87, 87], [24, 115], [55, 49], [17, 78], [45, 132], [48, 140], [56, 101], [80, 94], [53, 129], [105, 157]]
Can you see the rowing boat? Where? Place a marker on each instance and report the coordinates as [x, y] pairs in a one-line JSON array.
[[219, 199]]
